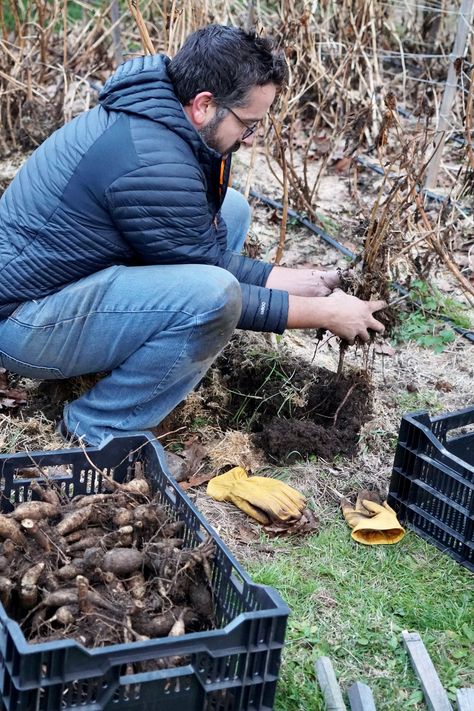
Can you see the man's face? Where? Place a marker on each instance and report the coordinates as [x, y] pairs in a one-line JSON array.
[[226, 128]]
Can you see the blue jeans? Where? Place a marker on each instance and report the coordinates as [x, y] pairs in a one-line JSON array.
[[156, 328]]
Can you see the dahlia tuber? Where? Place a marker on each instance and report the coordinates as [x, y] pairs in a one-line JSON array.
[[32, 529], [45, 494], [35, 510], [123, 561], [74, 520], [11, 529], [29, 585]]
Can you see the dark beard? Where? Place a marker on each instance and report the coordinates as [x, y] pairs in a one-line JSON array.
[[208, 135]]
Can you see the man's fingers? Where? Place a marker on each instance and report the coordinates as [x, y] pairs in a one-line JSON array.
[[377, 305], [364, 336], [376, 326], [332, 278]]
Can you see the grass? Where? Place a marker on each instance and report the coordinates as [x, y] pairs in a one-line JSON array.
[[422, 400], [425, 326], [351, 603]]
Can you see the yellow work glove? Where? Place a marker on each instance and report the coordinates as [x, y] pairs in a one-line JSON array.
[[372, 523], [265, 499]]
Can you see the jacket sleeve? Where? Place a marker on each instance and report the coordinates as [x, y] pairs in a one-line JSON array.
[[263, 309], [162, 212]]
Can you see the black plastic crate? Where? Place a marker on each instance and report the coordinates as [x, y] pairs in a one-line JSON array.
[[232, 668], [432, 484]]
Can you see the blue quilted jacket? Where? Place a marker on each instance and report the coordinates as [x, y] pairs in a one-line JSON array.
[[128, 182]]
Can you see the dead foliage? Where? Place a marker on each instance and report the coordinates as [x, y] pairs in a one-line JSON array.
[[352, 66], [10, 398]]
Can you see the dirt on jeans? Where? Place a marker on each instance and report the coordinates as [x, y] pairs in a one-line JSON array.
[[293, 408]]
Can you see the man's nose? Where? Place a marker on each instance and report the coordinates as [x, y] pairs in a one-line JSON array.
[[249, 140]]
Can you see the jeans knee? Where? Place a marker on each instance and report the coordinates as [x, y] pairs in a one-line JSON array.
[[232, 303], [226, 298], [240, 205], [217, 323]]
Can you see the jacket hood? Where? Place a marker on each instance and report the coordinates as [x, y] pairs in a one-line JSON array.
[[142, 86]]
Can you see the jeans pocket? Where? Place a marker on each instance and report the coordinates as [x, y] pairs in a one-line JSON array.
[[38, 372]]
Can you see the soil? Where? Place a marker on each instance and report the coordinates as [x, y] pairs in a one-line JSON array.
[[293, 408]]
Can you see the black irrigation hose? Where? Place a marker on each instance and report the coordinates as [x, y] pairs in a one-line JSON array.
[[430, 195], [304, 221], [427, 193], [466, 333]]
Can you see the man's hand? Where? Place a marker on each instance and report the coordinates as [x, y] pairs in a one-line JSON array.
[[303, 282], [352, 318], [322, 283], [346, 316]]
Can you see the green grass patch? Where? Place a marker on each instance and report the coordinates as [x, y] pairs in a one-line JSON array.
[[425, 326], [422, 400], [351, 603]]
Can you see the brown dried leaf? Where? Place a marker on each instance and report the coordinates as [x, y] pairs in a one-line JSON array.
[[194, 454], [384, 349], [19, 395], [343, 165], [3, 378], [444, 386], [197, 480], [247, 535], [307, 524]]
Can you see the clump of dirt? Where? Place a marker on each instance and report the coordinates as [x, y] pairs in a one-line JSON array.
[[293, 408], [372, 283]]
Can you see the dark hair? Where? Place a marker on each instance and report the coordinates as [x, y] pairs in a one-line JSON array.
[[226, 61]]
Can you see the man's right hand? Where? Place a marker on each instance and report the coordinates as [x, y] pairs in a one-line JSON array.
[[344, 315], [353, 317]]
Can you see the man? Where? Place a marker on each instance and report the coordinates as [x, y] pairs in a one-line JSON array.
[[119, 241]]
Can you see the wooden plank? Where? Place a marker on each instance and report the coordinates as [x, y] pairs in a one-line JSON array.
[[361, 698], [465, 699], [435, 696], [328, 684]]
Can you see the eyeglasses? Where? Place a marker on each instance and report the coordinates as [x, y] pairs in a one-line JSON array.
[[248, 129]]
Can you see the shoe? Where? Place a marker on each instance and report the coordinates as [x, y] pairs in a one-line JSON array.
[[67, 436]]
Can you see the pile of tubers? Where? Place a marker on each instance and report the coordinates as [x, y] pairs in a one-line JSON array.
[[102, 569]]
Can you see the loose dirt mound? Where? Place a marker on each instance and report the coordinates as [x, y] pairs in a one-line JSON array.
[[293, 409]]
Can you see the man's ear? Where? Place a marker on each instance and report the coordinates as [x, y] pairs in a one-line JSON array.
[[201, 109]]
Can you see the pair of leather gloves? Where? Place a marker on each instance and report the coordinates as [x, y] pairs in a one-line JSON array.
[[272, 501]]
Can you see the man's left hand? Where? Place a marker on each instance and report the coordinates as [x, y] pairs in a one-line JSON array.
[[323, 283], [304, 282]]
